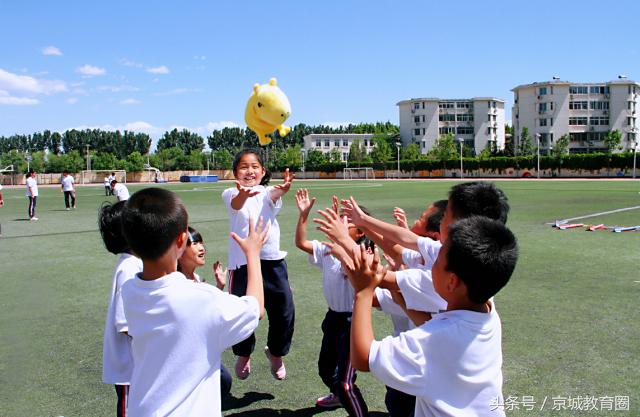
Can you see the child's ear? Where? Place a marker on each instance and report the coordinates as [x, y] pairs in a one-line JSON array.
[[181, 240], [453, 282]]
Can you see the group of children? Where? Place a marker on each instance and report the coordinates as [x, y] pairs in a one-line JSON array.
[[165, 331]]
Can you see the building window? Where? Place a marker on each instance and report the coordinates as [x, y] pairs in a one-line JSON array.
[[551, 89], [345, 156], [318, 143], [423, 104], [327, 143], [551, 105], [416, 119], [446, 130], [463, 105], [578, 89], [599, 121], [336, 143], [416, 105], [543, 122], [629, 121], [578, 105], [577, 121], [416, 132], [599, 105], [542, 107], [542, 91], [464, 117], [551, 121], [598, 89], [345, 142], [445, 105], [447, 117], [464, 130]]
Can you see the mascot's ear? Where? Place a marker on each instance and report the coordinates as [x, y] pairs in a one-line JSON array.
[[273, 81], [255, 88]]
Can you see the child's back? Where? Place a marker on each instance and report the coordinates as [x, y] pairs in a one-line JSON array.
[[180, 330]]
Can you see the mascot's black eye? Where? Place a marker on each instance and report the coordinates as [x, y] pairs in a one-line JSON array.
[[259, 104], [282, 115]]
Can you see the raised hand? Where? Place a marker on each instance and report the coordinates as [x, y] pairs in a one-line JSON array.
[[367, 272], [353, 211], [288, 178], [341, 254], [220, 275], [252, 244], [244, 192], [401, 217], [303, 202], [334, 228]]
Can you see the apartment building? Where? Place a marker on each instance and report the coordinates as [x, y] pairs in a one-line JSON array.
[[339, 141], [584, 111], [478, 121]]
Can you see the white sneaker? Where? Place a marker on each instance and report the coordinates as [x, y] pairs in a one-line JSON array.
[[68, 209], [33, 219], [328, 401]]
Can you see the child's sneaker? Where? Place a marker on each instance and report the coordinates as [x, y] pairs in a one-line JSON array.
[[277, 366], [329, 401], [243, 367]]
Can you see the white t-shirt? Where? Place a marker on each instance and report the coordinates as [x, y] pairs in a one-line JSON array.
[[425, 256], [67, 183], [179, 330], [417, 289], [452, 364], [255, 207], [32, 187], [335, 283], [117, 362], [121, 192], [107, 183], [401, 322]]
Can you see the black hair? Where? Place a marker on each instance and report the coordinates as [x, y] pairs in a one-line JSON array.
[[368, 243], [110, 225], [478, 198], [482, 252], [435, 218], [113, 182], [153, 218], [194, 236], [65, 172], [236, 161]]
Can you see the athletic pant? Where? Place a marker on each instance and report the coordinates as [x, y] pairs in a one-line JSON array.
[[278, 302], [399, 404], [225, 382], [32, 206], [107, 190], [68, 194], [123, 398], [334, 363]]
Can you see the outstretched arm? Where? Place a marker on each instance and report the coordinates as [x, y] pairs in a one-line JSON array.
[[304, 206], [400, 235], [244, 194], [281, 189]]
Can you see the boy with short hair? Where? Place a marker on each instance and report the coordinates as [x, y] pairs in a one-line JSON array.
[[453, 363], [68, 189], [179, 329], [119, 190], [32, 194]]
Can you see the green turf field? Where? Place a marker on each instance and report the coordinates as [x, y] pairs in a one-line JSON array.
[[570, 313]]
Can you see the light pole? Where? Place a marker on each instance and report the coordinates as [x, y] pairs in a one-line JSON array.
[[538, 152], [304, 154], [635, 150], [88, 158], [461, 140], [398, 145]]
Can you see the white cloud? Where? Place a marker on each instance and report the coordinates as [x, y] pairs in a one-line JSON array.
[[158, 70], [8, 99], [130, 101], [90, 70], [25, 83], [117, 88], [200, 58], [128, 63], [211, 126], [72, 100], [51, 50], [177, 91]]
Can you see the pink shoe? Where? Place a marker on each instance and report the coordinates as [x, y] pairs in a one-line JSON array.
[[277, 366], [329, 401], [243, 367]]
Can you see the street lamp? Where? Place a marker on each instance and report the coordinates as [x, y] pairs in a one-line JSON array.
[[304, 154], [398, 145], [538, 152], [635, 150], [461, 140]]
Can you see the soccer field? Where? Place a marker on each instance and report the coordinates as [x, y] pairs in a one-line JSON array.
[[570, 314]]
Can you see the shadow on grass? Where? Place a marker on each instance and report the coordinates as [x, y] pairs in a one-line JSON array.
[[273, 412], [230, 402]]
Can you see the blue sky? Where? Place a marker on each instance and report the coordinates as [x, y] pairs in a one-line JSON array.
[[151, 66]]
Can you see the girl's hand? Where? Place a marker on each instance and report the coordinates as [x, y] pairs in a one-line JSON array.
[[334, 227], [303, 202], [401, 217], [367, 272], [353, 211], [245, 192], [220, 275], [288, 178], [252, 244]]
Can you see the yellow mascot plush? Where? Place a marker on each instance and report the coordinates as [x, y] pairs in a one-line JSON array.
[[266, 111]]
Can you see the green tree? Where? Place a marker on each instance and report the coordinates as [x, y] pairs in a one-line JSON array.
[[561, 147], [334, 156], [315, 159], [612, 140], [410, 152], [357, 153], [183, 139], [169, 159], [445, 148], [382, 152], [223, 159], [135, 162], [525, 146], [103, 160]]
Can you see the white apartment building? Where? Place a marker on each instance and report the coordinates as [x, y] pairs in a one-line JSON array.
[[584, 111], [339, 141], [477, 121]]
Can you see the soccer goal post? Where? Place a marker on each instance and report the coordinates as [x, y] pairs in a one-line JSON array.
[[358, 173], [97, 176], [8, 169]]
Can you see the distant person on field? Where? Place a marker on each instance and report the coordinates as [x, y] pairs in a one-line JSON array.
[[32, 194], [68, 189], [119, 190], [192, 258], [180, 329], [111, 178], [117, 360], [107, 186]]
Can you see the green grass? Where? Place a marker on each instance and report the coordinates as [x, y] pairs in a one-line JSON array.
[[569, 314]]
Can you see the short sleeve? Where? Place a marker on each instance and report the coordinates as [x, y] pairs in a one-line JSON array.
[[320, 250], [412, 258], [274, 205], [387, 304], [429, 249], [227, 196], [417, 289], [238, 318], [399, 362], [118, 311]]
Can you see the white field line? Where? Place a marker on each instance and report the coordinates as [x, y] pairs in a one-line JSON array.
[[599, 214]]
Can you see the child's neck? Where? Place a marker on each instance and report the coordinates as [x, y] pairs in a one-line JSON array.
[[189, 272], [468, 305], [157, 268]]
